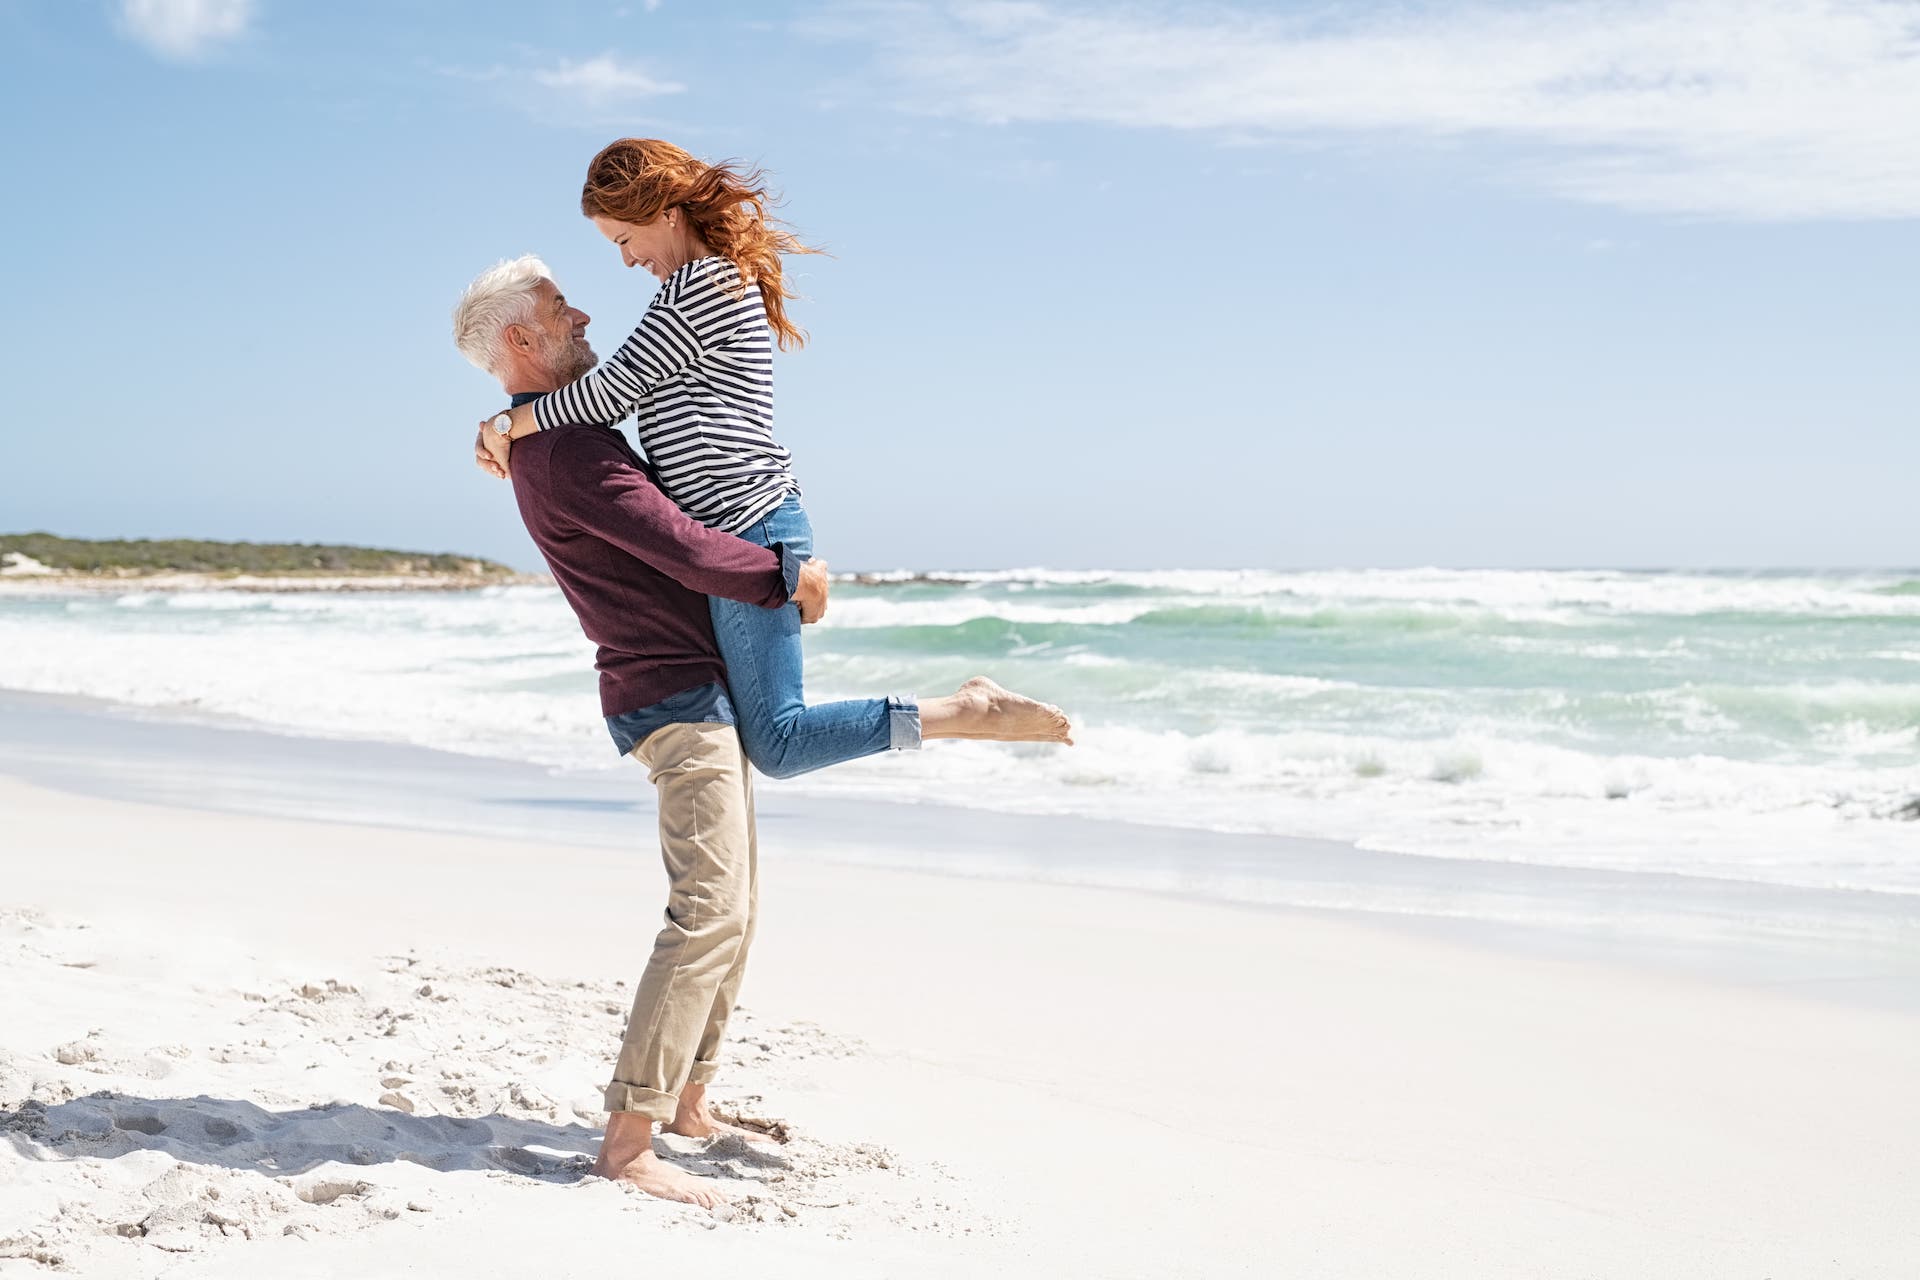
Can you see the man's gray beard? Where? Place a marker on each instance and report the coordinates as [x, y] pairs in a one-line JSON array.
[[570, 358]]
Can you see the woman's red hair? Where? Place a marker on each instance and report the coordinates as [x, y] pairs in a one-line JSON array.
[[638, 179]]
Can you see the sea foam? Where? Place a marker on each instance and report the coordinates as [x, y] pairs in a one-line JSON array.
[[1760, 726]]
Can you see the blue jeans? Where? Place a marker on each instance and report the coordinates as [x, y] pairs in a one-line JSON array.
[[782, 734]]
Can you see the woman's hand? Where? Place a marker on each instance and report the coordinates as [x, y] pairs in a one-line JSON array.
[[811, 594], [490, 450]]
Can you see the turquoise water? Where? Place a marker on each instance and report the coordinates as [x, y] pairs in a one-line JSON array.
[[1756, 725]]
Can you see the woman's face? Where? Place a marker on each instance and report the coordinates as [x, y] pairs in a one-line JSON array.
[[659, 247]]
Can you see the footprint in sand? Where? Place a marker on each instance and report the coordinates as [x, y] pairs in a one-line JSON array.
[[224, 1133], [152, 1126]]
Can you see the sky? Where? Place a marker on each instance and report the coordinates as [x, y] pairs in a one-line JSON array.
[[1477, 284]]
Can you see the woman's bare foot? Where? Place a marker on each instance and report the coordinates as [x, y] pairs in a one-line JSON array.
[[982, 709], [626, 1155]]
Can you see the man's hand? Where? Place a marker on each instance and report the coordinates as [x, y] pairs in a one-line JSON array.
[[490, 450], [811, 594]]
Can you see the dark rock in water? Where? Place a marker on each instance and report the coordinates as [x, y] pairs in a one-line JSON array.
[[1908, 812]]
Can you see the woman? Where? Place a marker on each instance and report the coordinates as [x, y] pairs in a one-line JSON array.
[[698, 375]]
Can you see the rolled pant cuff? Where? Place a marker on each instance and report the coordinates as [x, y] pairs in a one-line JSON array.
[[640, 1100], [903, 723], [703, 1073]]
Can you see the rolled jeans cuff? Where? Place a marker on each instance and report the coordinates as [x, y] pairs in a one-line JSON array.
[[790, 563], [703, 1072], [640, 1100], [903, 723]]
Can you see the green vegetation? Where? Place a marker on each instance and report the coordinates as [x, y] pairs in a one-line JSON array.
[[180, 555]]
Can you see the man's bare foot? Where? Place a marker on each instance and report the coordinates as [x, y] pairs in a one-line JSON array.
[[626, 1155], [716, 1127], [982, 709], [695, 1119], [656, 1177]]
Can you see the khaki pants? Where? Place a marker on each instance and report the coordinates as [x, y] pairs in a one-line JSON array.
[[687, 991]]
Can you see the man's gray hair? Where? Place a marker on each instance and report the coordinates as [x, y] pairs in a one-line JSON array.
[[499, 296]]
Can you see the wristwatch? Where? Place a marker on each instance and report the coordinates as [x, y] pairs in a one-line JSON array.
[[502, 423]]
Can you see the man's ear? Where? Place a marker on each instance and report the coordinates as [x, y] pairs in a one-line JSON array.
[[518, 337]]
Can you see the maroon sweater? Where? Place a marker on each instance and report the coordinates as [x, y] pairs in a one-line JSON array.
[[636, 569]]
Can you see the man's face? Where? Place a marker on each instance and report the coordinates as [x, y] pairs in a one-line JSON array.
[[559, 334]]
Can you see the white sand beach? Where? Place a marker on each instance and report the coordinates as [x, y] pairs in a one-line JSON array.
[[235, 1045]]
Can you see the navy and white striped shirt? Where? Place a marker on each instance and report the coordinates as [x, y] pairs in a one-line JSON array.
[[698, 377]]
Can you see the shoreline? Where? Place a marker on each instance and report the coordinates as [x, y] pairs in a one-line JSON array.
[[95, 584], [1846, 945], [1272, 706]]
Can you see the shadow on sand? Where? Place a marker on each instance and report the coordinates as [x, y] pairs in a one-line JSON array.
[[240, 1135]]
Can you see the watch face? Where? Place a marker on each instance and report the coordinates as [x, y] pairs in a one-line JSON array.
[[503, 423]]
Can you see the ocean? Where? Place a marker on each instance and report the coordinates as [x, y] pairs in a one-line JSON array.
[[1759, 726]]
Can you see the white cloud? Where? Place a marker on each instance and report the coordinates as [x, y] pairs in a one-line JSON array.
[[1751, 109], [185, 28], [604, 79]]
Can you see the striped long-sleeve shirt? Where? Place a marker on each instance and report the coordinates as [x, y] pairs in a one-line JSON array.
[[698, 377]]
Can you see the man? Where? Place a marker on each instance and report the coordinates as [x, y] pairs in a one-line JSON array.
[[637, 572]]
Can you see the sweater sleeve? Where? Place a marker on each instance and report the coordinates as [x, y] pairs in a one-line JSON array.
[[602, 493], [694, 312]]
